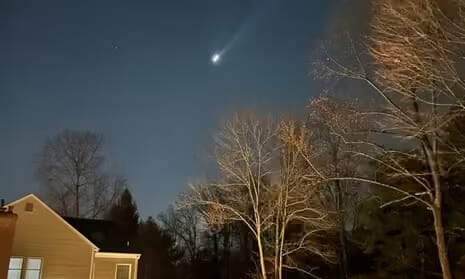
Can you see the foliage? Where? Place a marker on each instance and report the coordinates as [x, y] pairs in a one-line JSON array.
[[124, 213], [160, 253]]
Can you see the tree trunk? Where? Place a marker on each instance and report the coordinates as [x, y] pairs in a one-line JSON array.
[[226, 251], [342, 240], [261, 255], [216, 249], [431, 152], [77, 201], [262, 260], [342, 255], [441, 243], [277, 256]]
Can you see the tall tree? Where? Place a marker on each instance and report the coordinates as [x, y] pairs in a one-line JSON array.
[[71, 172], [399, 238], [124, 213], [184, 225], [414, 46], [387, 231], [331, 122], [266, 185]]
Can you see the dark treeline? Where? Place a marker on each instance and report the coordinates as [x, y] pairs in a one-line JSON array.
[[382, 236], [176, 246], [382, 242]]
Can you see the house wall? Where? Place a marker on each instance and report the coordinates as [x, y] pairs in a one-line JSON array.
[[105, 268], [41, 233], [7, 230]]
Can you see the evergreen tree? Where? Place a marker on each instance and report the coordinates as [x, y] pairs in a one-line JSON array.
[[124, 213], [160, 254]]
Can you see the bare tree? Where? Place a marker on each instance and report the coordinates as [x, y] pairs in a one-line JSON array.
[[267, 186], [70, 170], [184, 224], [300, 200], [331, 120], [414, 49]]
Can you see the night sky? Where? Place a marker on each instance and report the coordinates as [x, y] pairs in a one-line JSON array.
[[138, 71]]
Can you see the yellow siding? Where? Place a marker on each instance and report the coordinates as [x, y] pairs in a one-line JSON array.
[[41, 233], [105, 268]]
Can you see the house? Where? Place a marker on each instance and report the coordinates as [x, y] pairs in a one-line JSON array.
[[48, 246]]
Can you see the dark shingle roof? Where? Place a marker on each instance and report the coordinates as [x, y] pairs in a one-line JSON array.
[[105, 234]]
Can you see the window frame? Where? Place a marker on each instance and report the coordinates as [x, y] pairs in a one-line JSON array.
[[123, 264], [40, 267], [20, 268], [24, 263], [26, 207]]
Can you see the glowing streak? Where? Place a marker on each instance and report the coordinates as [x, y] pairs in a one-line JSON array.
[[261, 11], [216, 58]]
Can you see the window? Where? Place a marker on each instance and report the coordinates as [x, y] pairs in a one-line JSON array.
[[33, 268], [30, 267], [29, 207], [14, 269], [123, 271]]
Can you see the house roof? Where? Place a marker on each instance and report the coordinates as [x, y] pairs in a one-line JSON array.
[[104, 234]]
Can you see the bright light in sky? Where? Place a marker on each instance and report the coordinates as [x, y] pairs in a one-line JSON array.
[[216, 58]]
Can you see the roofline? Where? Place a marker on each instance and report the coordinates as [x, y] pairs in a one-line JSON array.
[[117, 255], [94, 247]]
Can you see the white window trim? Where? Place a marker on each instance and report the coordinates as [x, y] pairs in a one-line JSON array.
[[130, 269]]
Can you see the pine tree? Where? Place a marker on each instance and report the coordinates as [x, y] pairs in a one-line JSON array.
[[160, 253], [124, 213]]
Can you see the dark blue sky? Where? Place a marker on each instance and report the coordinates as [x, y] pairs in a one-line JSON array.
[[138, 71]]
